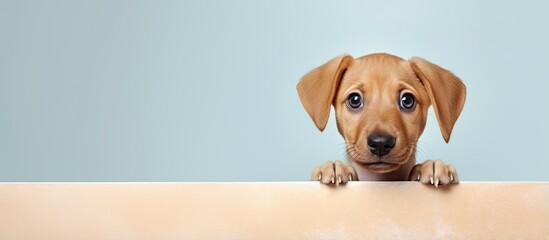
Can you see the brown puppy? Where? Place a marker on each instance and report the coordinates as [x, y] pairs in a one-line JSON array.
[[381, 103]]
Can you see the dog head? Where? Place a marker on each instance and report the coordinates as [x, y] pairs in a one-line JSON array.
[[381, 104]]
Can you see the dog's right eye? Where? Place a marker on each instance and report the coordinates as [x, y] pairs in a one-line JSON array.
[[354, 101]]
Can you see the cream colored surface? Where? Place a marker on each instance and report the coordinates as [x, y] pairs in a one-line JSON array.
[[290, 210]]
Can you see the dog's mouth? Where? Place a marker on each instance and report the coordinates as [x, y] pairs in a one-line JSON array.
[[377, 164], [380, 167]]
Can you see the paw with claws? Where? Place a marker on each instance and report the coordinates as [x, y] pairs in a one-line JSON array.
[[334, 173], [434, 172]]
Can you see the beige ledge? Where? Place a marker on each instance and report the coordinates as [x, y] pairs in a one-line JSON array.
[[288, 210]]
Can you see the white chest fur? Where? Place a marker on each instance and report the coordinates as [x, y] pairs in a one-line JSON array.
[[401, 174]]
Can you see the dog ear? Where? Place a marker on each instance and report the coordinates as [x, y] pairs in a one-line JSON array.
[[317, 88], [445, 90]]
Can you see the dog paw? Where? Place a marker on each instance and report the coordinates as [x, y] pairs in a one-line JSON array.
[[334, 173], [434, 172]]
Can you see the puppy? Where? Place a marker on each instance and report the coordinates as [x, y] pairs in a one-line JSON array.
[[381, 104]]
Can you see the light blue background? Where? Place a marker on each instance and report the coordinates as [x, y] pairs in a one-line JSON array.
[[205, 90]]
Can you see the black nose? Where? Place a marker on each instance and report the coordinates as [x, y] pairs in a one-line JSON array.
[[381, 144]]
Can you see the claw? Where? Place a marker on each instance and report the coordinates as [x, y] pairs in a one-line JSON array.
[[333, 180], [319, 176], [436, 183], [350, 177], [339, 180], [418, 176], [431, 180], [451, 177]]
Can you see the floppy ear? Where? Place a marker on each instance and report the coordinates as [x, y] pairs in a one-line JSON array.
[[317, 88], [445, 90]]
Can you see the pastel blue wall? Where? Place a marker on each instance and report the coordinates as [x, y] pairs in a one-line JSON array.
[[205, 90]]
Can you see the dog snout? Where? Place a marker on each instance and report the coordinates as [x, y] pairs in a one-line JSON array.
[[381, 144]]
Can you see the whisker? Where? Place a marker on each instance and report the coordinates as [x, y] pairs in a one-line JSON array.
[[422, 152]]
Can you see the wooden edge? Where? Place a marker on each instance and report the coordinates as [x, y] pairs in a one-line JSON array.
[[280, 210]]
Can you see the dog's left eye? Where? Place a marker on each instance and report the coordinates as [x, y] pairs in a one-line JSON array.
[[407, 102]]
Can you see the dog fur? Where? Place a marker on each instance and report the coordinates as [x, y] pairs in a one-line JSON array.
[[382, 80]]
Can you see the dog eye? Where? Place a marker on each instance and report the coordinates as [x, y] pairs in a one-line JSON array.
[[407, 102], [354, 101]]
